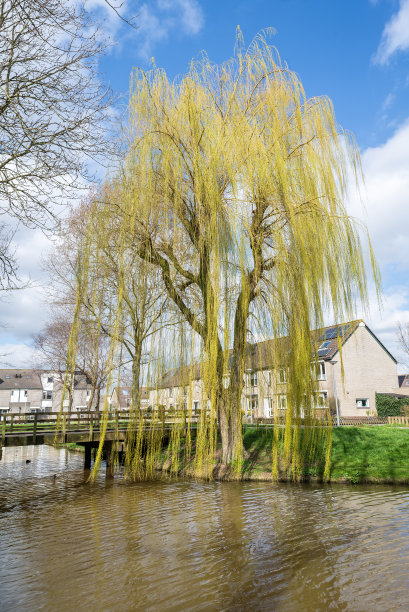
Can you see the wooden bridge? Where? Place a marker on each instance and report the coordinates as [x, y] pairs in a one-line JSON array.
[[82, 428]]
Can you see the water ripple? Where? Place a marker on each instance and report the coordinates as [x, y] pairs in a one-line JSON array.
[[194, 546]]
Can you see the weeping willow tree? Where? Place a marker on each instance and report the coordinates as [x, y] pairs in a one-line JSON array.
[[233, 189]]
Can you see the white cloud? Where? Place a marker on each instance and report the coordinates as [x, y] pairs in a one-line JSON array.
[[23, 312], [386, 170], [386, 199], [157, 21], [191, 14], [17, 356], [395, 36]]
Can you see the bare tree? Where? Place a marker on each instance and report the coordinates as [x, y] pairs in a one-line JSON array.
[[91, 354], [54, 109], [52, 103]]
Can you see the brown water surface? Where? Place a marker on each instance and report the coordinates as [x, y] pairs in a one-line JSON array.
[[67, 545]]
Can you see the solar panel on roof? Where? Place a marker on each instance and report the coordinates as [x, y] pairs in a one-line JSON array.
[[322, 352], [331, 333]]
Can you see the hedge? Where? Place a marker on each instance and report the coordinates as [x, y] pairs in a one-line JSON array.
[[387, 405]]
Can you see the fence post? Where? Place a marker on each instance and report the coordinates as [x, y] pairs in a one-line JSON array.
[[35, 428], [3, 431], [11, 422], [91, 427]]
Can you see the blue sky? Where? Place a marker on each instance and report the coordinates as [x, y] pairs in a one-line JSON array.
[[354, 51]]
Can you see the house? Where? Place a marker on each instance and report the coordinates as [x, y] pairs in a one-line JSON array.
[[121, 398], [368, 367], [25, 391]]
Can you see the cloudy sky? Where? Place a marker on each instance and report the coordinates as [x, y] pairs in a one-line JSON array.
[[354, 51]]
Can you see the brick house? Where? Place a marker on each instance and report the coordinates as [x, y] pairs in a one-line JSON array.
[[368, 367], [25, 391]]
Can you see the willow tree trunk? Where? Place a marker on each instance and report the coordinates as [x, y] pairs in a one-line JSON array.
[[230, 431], [230, 407], [136, 373]]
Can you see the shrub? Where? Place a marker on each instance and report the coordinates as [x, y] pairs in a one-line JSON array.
[[387, 405]]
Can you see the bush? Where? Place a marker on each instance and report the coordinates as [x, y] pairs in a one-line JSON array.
[[387, 405]]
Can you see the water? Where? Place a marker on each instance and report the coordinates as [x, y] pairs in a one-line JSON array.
[[66, 545]]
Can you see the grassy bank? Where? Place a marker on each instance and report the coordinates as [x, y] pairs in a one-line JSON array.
[[71, 446], [359, 454], [378, 454]]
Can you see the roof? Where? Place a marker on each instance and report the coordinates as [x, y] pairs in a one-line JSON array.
[[180, 377], [81, 381], [124, 393], [324, 345], [12, 378]]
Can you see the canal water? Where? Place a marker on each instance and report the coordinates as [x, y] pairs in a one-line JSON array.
[[66, 545]]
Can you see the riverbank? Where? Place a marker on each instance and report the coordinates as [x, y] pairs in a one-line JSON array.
[[372, 454], [359, 455]]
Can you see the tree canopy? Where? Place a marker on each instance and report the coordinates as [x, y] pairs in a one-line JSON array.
[[234, 188]]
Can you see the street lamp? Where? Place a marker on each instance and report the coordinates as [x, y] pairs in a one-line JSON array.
[[335, 390]]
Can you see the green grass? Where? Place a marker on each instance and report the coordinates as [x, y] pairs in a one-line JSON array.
[[359, 454], [370, 453]]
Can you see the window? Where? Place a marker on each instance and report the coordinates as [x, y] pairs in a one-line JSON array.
[[325, 344], [252, 379], [47, 395], [268, 403], [124, 391], [88, 392], [253, 403], [321, 399], [362, 402], [8, 377], [50, 379], [25, 393], [320, 368], [170, 391], [195, 406], [282, 375], [282, 402]]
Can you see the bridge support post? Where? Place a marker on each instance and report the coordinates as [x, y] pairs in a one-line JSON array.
[[109, 459], [87, 458], [35, 428]]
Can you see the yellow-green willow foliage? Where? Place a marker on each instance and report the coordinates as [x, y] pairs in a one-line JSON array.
[[233, 188]]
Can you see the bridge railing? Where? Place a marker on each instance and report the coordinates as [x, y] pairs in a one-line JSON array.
[[42, 422]]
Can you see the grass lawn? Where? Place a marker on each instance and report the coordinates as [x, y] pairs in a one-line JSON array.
[[370, 453], [359, 454]]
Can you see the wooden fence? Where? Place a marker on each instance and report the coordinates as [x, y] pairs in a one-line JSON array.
[[398, 420]]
